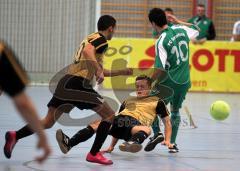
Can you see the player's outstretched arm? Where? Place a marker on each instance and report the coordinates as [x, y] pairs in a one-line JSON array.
[[175, 20], [168, 130], [112, 73], [27, 110], [163, 112]]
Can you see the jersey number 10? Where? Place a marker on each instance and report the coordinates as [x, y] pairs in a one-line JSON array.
[[180, 52]]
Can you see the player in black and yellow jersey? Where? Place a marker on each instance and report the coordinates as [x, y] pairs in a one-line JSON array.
[[75, 88], [133, 123], [13, 80]]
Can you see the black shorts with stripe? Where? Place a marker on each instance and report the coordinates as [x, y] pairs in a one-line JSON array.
[[74, 91], [13, 78], [122, 127]]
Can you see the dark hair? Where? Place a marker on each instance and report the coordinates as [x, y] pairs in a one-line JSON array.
[[168, 9], [201, 5], [157, 16], [144, 77], [105, 22]]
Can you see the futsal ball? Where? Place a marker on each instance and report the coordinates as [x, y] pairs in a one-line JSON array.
[[219, 110]]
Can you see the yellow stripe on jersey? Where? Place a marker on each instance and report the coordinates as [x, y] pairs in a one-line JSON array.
[[93, 39], [101, 45], [17, 67]]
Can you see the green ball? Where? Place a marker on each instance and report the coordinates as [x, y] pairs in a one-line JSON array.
[[220, 110]]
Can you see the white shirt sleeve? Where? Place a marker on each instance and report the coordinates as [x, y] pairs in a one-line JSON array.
[[236, 28], [192, 33], [161, 51]]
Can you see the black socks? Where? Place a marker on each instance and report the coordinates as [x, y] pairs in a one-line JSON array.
[[24, 132], [101, 135], [81, 136]]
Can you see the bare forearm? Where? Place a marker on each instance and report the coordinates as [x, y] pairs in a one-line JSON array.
[[168, 128], [112, 73], [175, 20], [183, 23]]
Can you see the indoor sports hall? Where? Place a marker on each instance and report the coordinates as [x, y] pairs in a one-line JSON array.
[[45, 36]]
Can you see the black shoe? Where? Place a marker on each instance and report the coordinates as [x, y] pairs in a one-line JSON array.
[[174, 149], [154, 141], [130, 146], [62, 140]]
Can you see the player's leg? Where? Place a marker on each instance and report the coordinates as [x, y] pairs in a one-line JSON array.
[[56, 107], [176, 103], [107, 115], [65, 143], [13, 136], [138, 135], [25, 107], [25, 131], [155, 126]]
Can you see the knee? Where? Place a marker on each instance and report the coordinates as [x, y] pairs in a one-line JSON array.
[[148, 131], [109, 118], [47, 123], [94, 125]]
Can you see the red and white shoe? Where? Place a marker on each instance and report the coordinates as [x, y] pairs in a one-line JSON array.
[[98, 158], [11, 140]]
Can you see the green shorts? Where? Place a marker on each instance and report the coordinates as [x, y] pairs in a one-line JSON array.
[[177, 97]]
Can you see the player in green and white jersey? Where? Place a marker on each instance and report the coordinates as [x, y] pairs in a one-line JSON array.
[[172, 56]]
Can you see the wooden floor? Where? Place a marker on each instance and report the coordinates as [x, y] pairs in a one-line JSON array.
[[213, 146]]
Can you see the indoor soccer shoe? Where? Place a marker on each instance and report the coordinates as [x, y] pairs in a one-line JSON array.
[[154, 141], [98, 158], [173, 149], [62, 140], [11, 140], [130, 146]]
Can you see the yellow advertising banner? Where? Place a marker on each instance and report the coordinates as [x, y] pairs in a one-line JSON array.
[[215, 65]]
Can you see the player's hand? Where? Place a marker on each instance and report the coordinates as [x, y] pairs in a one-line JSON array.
[[172, 18], [194, 41], [199, 42], [108, 150], [42, 144], [202, 41], [128, 71], [99, 76], [167, 143]]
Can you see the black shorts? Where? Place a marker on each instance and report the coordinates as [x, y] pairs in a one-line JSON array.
[[13, 78], [122, 127], [74, 91]]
